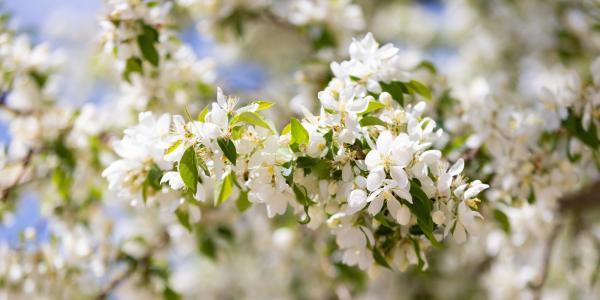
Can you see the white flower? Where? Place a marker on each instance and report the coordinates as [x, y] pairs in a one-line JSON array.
[[354, 243], [266, 183], [139, 149], [346, 101]]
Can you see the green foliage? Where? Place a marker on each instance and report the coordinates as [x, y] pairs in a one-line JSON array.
[[372, 121], [223, 189], [373, 106], [299, 133], [242, 202], [252, 118], [421, 208], [228, 149], [188, 169], [502, 219], [589, 137], [146, 41], [132, 65]]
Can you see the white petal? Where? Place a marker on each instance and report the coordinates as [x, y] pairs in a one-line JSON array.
[[375, 206], [475, 189], [200, 193], [357, 200], [374, 180], [174, 179], [403, 215], [444, 182], [460, 235], [457, 167], [430, 157], [384, 141], [373, 159], [399, 175], [404, 194]]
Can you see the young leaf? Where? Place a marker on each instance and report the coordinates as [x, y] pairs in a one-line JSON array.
[[373, 106], [422, 207], [262, 105], [188, 169], [202, 114], [574, 127], [251, 117], [420, 89], [371, 121], [228, 149], [149, 52], [287, 129], [299, 133], [154, 176], [380, 259], [132, 65], [242, 202], [418, 252], [223, 189], [301, 195], [173, 147], [396, 89], [427, 65], [183, 218], [501, 217]]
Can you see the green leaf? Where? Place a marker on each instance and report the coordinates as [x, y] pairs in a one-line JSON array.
[[380, 259], [202, 166], [188, 169], [253, 118], [574, 127], [501, 217], [262, 105], [301, 195], [325, 39], [39, 78], [421, 208], [154, 176], [427, 65], [183, 217], [419, 88], [173, 147], [373, 106], [208, 246], [228, 149], [421, 263], [287, 129], [299, 133], [202, 114], [371, 121], [242, 202], [146, 42], [169, 294], [132, 65], [223, 190], [396, 89]]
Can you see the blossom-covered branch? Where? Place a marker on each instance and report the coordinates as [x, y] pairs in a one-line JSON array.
[[364, 163]]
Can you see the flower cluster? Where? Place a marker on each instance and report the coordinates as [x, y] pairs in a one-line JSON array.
[[364, 163]]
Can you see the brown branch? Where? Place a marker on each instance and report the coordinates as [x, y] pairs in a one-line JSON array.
[[586, 199], [547, 255], [4, 193], [142, 263], [116, 282]]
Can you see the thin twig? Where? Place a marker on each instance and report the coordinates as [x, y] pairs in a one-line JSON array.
[[142, 262], [547, 255], [25, 164], [584, 200]]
